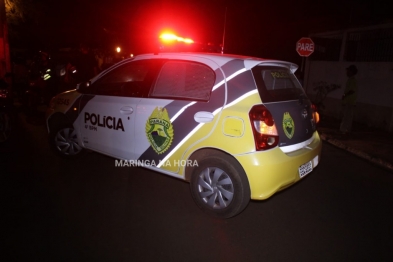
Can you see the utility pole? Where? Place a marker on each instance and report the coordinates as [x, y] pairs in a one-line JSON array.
[[223, 35]]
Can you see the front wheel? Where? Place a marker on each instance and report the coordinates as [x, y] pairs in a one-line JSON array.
[[64, 141], [219, 186]]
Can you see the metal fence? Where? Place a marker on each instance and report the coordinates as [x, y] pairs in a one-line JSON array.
[[370, 46]]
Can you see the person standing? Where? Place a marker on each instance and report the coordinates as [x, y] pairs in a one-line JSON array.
[[349, 99]]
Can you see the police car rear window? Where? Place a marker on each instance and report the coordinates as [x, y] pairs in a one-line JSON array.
[[276, 84], [184, 80]]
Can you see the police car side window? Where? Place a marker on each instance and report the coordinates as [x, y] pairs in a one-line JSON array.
[[126, 80], [184, 80]]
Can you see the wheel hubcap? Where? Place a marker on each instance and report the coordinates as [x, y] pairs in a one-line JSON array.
[[215, 188], [66, 141]]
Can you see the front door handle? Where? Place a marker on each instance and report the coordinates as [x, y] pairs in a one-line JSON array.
[[126, 110]]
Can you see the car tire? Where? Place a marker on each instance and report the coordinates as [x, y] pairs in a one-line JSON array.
[[219, 185], [64, 141]]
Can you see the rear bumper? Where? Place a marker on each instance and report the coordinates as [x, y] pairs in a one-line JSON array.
[[273, 170]]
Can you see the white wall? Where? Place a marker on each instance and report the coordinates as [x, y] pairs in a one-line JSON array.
[[375, 80], [375, 84]]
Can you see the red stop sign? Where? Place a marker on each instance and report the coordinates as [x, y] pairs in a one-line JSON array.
[[305, 46]]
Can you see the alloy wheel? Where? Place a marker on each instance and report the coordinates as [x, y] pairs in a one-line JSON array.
[[215, 188], [66, 141]]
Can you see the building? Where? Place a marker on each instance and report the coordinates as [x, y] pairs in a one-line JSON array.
[[371, 50]]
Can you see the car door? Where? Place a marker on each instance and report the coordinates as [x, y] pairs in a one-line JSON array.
[[107, 116], [166, 118]]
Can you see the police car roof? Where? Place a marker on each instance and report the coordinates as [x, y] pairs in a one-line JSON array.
[[220, 59]]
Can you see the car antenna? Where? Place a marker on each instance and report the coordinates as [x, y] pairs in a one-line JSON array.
[[223, 35]]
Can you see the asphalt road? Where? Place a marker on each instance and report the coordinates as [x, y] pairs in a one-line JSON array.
[[90, 210]]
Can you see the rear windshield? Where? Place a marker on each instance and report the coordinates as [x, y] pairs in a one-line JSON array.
[[277, 84]]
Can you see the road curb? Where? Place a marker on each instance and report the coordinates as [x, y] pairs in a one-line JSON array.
[[382, 163]]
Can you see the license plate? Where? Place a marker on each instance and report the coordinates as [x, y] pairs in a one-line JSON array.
[[305, 169]]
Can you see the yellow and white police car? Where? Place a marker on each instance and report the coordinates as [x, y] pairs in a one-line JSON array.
[[235, 127]]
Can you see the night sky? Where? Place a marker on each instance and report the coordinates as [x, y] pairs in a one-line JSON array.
[[261, 28]]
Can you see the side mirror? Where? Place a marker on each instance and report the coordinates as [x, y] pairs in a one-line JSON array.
[[83, 87]]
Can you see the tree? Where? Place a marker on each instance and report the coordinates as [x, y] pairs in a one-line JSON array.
[[23, 18], [19, 11]]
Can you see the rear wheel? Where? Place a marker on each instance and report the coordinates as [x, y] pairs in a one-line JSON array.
[[220, 186], [64, 141]]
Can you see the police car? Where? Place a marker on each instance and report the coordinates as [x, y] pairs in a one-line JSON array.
[[235, 127]]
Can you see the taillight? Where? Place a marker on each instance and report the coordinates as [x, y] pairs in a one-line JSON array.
[[315, 114], [263, 127]]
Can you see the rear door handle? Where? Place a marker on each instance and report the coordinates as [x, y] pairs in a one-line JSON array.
[[203, 117]]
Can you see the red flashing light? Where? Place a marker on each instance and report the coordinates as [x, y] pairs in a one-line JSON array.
[[168, 37]]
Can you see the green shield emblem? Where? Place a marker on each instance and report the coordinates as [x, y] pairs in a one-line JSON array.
[[288, 125], [159, 130]]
